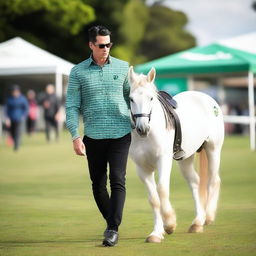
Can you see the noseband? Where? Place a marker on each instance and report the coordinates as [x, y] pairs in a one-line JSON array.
[[134, 116]]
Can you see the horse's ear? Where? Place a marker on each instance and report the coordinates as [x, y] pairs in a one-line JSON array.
[[131, 75], [151, 75]]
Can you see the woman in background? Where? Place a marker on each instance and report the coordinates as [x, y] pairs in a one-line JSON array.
[[32, 112]]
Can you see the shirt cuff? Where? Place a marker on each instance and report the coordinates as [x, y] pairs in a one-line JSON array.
[[75, 134], [75, 137]]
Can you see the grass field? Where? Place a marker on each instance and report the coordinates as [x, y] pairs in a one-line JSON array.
[[46, 206]]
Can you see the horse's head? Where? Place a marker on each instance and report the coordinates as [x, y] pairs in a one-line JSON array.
[[142, 95]]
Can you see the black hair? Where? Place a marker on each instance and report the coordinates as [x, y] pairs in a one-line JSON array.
[[97, 31], [15, 87]]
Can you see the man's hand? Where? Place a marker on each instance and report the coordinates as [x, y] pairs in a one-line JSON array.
[[79, 147], [8, 123]]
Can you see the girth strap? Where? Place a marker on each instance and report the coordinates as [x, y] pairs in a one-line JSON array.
[[169, 105]]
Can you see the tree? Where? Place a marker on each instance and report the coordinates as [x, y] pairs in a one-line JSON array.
[[254, 5], [135, 16], [46, 23], [165, 33], [140, 32]]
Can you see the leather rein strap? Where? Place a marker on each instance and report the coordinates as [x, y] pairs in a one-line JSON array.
[[169, 105]]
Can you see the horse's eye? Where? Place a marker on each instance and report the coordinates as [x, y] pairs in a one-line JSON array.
[[131, 99], [151, 98]]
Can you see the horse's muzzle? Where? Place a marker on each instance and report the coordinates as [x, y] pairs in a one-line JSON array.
[[143, 132]]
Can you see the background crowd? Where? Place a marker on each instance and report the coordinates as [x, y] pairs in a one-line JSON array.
[[21, 110]]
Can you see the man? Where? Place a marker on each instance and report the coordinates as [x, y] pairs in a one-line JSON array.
[[16, 112], [51, 107], [99, 90]]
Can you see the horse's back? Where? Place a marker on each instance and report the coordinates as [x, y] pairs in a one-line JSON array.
[[201, 120]]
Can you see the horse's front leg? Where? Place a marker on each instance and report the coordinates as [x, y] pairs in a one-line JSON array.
[[147, 177], [164, 165]]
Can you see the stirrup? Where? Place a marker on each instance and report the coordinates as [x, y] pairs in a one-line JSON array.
[[179, 155]]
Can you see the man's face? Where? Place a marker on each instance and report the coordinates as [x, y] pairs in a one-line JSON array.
[[16, 93], [100, 51], [49, 89]]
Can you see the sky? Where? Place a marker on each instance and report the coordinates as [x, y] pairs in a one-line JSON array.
[[213, 20]]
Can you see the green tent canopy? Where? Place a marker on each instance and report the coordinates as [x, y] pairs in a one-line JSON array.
[[207, 59], [214, 59]]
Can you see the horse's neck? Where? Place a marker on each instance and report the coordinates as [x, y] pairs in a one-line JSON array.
[[160, 137]]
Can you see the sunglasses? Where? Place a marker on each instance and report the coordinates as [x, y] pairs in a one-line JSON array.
[[101, 46]]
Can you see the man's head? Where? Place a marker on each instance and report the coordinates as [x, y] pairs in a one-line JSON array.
[[49, 89], [16, 91], [99, 41]]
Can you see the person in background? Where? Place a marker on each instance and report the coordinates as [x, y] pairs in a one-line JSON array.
[[16, 113], [32, 112], [51, 107]]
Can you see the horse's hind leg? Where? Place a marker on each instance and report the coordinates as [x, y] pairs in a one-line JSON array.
[[213, 155], [147, 177], [163, 188], [192, 178]]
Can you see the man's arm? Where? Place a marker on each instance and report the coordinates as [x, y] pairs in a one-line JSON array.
[[7, 113], [25, 107], [127, 91], [73, 105]]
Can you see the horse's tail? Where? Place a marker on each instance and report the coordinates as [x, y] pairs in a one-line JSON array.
[[203, 174]]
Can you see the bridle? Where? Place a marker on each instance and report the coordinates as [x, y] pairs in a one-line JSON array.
[[135, 116]]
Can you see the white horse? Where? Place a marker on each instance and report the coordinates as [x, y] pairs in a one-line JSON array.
[[152, 148]]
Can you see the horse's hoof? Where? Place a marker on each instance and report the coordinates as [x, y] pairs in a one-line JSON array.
[[169, 230], [209, 219], [208, 222], [195, 229], [153, 239]]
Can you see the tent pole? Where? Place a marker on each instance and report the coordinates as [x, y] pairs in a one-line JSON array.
[[220, 91], [191, 85], [251, 109], [58, 83], [1, 129]]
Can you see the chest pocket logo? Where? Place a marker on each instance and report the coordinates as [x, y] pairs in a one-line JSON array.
[[115, 77]]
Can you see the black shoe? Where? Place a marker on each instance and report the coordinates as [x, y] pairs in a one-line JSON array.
[[111, 238], [105, 232]]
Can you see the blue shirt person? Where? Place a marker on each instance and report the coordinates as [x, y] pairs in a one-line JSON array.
[[16, 111]]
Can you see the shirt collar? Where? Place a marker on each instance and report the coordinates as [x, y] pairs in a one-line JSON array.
[[92, 61]]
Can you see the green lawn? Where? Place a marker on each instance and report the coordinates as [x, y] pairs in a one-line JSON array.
[[46, 206]]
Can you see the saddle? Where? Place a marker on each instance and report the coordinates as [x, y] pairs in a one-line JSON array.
[[169, 105]]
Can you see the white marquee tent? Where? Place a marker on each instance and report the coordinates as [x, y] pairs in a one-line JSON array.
[[19, 57], [31, 67]]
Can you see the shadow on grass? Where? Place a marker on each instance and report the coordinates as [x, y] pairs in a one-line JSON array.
[[98, 240]]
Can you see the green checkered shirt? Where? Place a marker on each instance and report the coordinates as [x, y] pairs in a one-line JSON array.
[[101, 95]]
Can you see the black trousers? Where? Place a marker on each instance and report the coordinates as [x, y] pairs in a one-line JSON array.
[[31, 124], [15, 131], [100, 153], [50, 123]]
